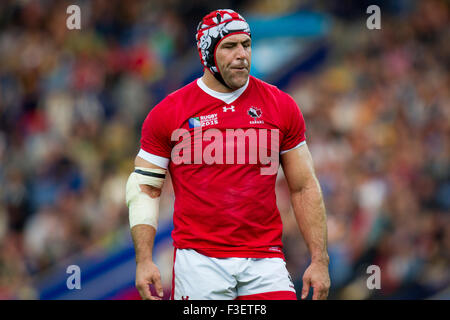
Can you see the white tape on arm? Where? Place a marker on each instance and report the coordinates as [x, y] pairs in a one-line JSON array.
[[143, 209]]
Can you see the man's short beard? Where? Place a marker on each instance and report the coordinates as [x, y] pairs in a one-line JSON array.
[[230, 84]]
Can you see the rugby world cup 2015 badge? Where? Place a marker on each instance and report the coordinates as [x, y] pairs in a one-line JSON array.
[[194, 122], [203, 121]]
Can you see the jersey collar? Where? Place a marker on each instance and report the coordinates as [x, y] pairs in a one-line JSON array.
[[227, 97]]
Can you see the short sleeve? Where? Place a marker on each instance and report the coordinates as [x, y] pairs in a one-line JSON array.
[[293, 124], [155, 135]]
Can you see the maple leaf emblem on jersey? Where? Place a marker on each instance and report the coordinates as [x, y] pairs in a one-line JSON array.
[[254, 112]]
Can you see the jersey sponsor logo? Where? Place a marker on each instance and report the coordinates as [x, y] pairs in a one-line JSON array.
[[255, 113], [234, 146], [203, 121], [225, 109]]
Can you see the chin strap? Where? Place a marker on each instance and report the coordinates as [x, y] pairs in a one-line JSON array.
[[219, 77]]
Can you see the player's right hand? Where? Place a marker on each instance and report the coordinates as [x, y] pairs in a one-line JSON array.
[[147, 273]]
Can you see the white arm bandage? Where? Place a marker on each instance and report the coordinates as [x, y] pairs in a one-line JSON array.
[[143, 209]]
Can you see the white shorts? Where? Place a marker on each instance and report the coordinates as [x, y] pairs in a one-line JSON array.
[[199, 277]]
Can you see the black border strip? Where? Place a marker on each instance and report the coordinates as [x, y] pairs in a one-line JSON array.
[[150, 174]]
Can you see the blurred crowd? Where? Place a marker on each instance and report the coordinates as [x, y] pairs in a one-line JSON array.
[[378, 127], [72, 104]]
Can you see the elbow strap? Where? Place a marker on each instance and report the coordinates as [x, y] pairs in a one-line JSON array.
[[151, 177], [143, 209]]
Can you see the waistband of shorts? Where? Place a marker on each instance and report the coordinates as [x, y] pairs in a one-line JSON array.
[[236, 253]]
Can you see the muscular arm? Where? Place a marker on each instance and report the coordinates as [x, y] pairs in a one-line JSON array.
[[143, 238], [309, 210]]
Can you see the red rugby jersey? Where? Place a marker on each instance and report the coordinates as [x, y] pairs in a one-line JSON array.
[[225, 204]]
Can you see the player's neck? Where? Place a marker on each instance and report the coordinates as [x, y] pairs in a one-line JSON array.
[[211, 82]]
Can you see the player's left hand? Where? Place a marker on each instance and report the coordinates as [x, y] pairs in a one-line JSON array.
[[316, 276]]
